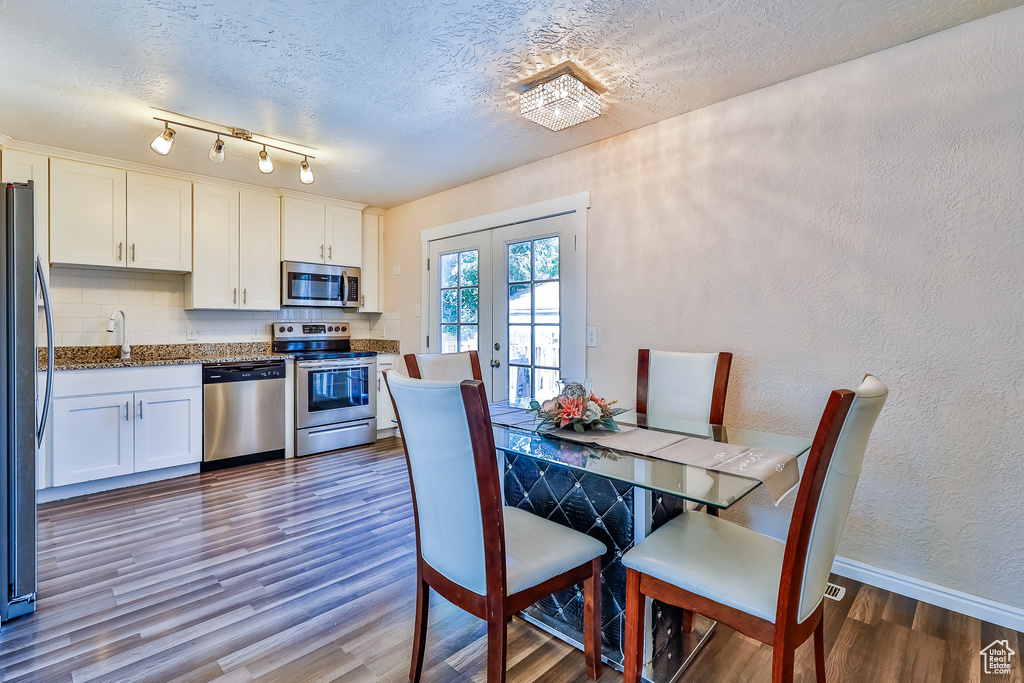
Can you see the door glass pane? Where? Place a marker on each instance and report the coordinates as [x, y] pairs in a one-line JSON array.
[[546, 306], [534, 352], [519, 385], [459, 300], [450, 270], [519, 262], [545, 259], [519, 304], [519, 345]]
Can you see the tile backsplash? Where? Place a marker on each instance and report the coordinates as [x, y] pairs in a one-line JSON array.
[[83, 300]]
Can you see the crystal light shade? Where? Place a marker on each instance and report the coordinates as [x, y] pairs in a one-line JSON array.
[[560, 103]]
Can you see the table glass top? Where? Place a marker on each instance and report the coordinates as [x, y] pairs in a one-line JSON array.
[[716, 489]]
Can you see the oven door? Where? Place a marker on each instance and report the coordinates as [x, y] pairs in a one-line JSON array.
[[332, 391]]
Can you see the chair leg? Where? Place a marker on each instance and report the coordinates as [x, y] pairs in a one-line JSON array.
[[419, 636], [819, 650], [634, 643], [688, 621], [782, 663], [497, 641], [592, 620]]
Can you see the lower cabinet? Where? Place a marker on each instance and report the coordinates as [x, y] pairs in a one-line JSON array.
[[385, 409], [109, 434]]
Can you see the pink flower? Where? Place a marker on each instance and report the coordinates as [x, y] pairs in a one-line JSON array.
[[572, 408]]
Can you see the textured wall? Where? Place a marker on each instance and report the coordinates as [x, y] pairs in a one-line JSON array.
[[863, 218]]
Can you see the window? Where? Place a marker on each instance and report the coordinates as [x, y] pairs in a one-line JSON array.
[[533, 318], [460, 301]]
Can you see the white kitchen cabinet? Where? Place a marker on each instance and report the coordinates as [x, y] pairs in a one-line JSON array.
[[88, 214], [259, 251], [369, 273], [19, 167], [317, 232], [159, 223], [303, 230], [385, 409], [236, 260], [344, 236], [102, 216], [108, 423]]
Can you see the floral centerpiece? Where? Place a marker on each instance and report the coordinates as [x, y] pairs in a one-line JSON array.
[[577, 407]]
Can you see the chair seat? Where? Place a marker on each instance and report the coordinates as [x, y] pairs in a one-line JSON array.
[[537, 549], [719, 560]]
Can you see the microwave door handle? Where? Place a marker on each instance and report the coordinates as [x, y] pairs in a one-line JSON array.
[[344, 287]]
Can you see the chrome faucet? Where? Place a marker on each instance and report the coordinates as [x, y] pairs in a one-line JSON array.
[[126, 351]]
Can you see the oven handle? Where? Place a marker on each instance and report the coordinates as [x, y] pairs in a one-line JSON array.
[[334, 364]]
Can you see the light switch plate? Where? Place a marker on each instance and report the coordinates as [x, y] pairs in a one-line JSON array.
[[191, 334], [397, 270], [417, 310], [591, 336]]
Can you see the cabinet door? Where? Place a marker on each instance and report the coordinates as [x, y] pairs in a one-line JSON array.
[[19, 167], [385, 409], [214, 279], [159, 222], [168, 428], [259, 260], [88, 214], [344, 236], [302, 235], [369, 272], [92, 438]]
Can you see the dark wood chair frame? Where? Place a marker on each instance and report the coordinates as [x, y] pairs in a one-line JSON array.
[[497, 607], [413, 366], [786, 634], [643, 369]]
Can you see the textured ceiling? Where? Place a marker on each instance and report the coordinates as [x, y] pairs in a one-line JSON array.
[[404, 99]]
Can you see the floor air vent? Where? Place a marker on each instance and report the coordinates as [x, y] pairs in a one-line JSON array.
[[835, 592]]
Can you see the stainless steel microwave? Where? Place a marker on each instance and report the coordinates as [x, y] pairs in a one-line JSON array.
[[316, 284]]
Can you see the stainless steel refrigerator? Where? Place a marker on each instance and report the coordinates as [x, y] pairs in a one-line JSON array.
[[24, 415]]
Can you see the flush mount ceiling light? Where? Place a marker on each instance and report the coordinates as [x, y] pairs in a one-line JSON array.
[[560, 102], [162, 144]]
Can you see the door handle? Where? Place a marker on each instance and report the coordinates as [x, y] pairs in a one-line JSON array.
[[495, 363]]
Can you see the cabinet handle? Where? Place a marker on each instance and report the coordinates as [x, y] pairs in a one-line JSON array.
[[234, 295], [243, 295], [133, 252], [120, 249], [329, 249], [126, 414], [140, 410], [362, 301], [321, 251], [378, 384]]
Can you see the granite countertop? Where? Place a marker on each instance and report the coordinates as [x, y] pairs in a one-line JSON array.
[[144, 355]]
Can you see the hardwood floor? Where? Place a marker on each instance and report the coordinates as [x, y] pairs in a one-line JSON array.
[[303, 571]]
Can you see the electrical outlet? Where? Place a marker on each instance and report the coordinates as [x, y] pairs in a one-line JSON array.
[[191, 334], [257, 332], [591, 336], [397, 269], [417, 310]]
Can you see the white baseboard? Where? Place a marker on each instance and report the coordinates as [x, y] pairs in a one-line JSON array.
[[934, 594]]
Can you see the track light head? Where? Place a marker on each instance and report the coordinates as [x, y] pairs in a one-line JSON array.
[[305, 172], [162, 144], [266, 165], [217, 151]]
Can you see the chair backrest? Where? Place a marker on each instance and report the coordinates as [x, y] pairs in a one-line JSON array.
[[684, 386], [825, 494], [444, 366], [449, 449]]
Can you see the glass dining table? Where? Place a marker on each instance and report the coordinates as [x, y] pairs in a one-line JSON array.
[[620, 497]]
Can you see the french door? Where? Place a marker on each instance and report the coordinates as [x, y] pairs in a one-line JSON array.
[[517, 295]]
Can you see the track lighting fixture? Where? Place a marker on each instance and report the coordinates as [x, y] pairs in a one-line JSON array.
[[217, 151], [305, 173], [162, 144], [266, 165]]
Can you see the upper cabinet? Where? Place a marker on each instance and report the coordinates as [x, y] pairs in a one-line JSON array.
[[316, 232], [237, 259], [102, 216], [372, 299], [20, 167]]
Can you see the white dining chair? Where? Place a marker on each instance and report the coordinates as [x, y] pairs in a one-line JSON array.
[[487, 559], [763, 588], [444, 366], [682, 386]]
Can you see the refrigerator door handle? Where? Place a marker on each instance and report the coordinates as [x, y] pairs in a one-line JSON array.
[[40, 273]]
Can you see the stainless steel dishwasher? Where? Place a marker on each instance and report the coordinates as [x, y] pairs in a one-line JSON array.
[[243, 413]]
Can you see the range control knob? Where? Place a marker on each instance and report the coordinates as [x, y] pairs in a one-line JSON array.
[[289, 328], [281, 329], [330, 329]]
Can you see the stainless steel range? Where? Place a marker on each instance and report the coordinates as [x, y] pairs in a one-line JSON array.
[[335, 387]]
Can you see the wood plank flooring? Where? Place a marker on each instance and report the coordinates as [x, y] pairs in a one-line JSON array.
[[303, 571]]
